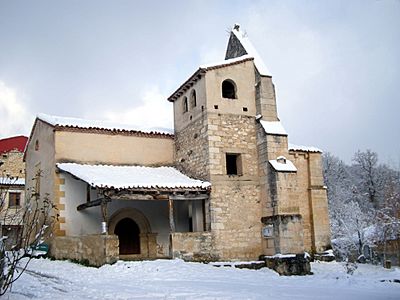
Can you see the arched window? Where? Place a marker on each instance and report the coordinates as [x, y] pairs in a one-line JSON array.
[[185, 104], [193, 101], [228, 89]]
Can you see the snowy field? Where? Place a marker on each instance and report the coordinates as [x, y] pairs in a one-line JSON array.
[[175, 279]]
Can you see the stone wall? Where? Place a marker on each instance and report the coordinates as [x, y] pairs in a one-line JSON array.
[[235, 199], [191, 149], [193, 246], [238, 202], [319, 202], [313, 202], [200, 152], [13, 164], [96, 250], [287, 231], [265, 98], [235, 214]]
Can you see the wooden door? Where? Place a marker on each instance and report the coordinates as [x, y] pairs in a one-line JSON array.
[[128, 234]]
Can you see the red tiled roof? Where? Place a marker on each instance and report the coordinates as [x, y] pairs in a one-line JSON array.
[[13, 143]]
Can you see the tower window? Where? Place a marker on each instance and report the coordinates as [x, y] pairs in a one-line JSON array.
[[185, 104], [233, 164], [14, 199], [228, 89], [193, 100]]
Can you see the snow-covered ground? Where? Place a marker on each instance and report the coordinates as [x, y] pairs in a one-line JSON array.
[[175, 279]]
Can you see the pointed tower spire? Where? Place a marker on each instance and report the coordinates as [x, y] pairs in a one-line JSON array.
[[239, 45]]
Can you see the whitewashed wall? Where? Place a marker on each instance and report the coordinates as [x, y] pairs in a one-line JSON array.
[[88, 221]]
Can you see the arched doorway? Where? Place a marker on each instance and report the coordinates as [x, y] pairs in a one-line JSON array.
[[128, 233], [143, 236]]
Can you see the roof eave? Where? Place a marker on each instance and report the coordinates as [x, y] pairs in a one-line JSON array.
[[200, 72], [187, 84]]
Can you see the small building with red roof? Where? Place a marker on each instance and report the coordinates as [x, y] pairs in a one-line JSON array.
[[12, 186], [13, 143]]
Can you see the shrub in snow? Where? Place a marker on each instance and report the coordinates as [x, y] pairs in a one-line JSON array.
[[35, 220]]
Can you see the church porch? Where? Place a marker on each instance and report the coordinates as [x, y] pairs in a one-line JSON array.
[[147, 222]]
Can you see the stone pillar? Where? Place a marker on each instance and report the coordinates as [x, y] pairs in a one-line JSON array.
[[152, 242], [144, 245], [287, 234], [318, 204]]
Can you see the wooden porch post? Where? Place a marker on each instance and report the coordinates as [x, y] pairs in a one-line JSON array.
[[171, 225], [171, 215], [104, 225]]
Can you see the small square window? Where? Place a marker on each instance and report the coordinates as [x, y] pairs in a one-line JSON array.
[[233, 164], [14, 199]]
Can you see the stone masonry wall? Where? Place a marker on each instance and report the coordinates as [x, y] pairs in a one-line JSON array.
[[97, 250], [193, 246], [289, 230], [279, 197], [191, 149], [235, 204], [300, 161], [13, 164], [265, 98], [319, 202], [313, 201]]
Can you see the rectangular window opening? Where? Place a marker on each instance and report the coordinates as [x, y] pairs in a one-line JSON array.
[[14, 199], [233, 164]]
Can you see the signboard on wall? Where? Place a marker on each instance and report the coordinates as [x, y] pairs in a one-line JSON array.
[[268, 231]]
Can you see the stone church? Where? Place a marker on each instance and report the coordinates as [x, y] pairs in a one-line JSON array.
[[226, 185]]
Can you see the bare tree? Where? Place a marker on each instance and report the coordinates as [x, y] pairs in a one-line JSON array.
[[368, 175], [34, 220]]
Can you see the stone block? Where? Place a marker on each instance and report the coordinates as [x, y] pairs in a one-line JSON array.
[[288, 265]]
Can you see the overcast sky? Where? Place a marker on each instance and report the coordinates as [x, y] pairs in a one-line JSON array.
[[335, 64]]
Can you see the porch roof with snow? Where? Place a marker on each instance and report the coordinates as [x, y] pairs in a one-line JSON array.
[[133, 177]]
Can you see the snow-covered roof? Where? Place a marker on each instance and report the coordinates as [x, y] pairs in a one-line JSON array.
[[281, 164], [12, 181], [97, 124], [304, 148], [251, 51], [132, 177], [273, 127]]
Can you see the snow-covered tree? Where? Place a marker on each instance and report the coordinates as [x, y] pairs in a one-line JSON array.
[[388, 216], [364, 201]]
